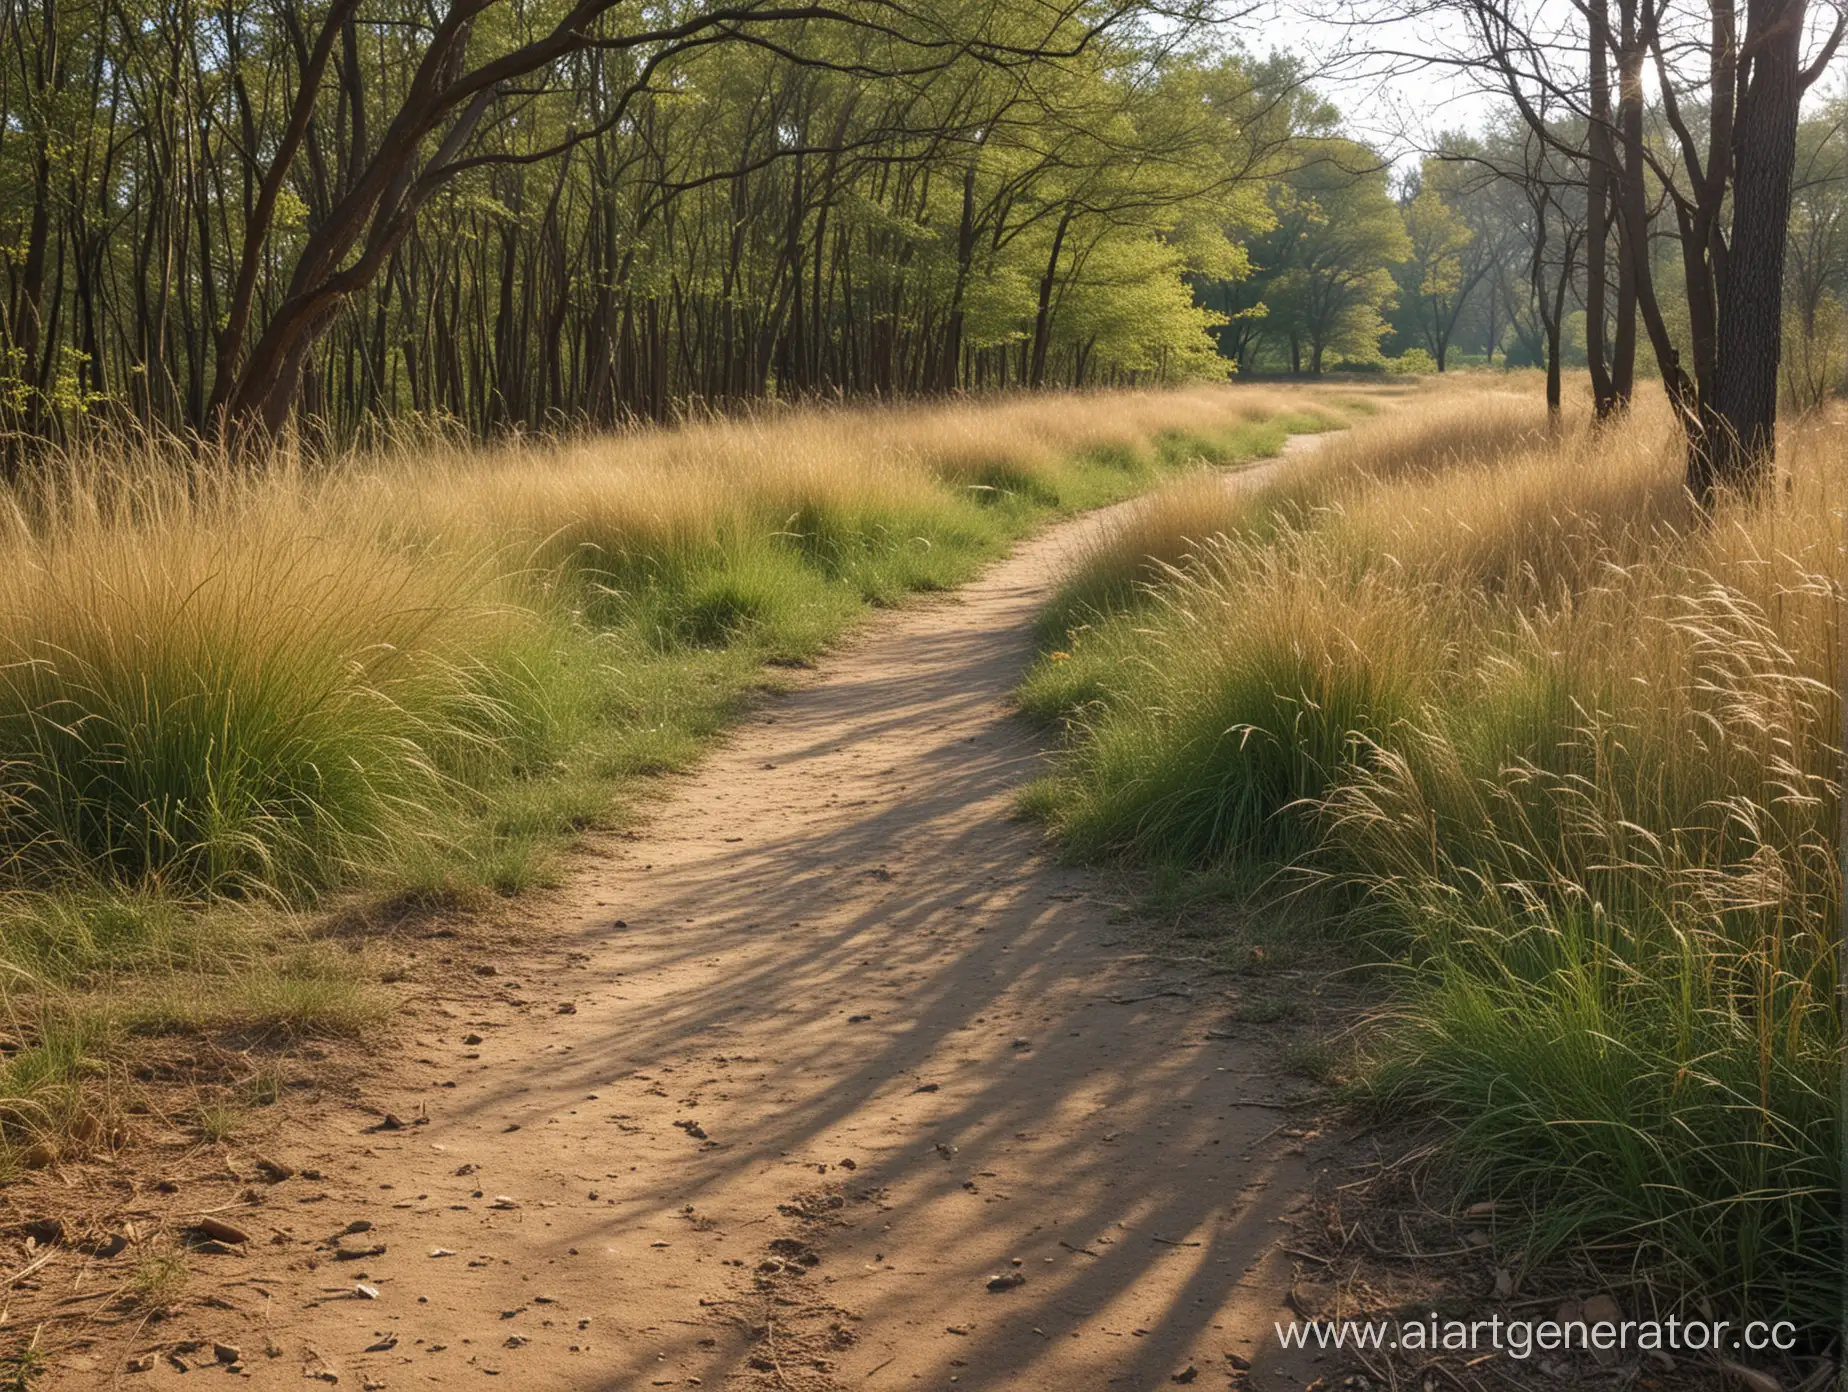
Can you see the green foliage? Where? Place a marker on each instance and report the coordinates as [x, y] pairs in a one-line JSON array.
[[832, 210], [1322, 277], [1463, 214], [1412, 362]]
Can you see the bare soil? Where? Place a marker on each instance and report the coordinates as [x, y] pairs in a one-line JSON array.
[[828, 1077]]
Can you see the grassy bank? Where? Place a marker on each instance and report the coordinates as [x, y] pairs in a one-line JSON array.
[[232, 703], [1572, 753]]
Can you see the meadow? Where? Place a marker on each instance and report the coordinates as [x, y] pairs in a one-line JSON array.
[[1559, 752], [238, 704]]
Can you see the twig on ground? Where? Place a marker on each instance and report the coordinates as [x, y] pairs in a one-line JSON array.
[[1181, 991], [27, 1269], [1306, 1256]]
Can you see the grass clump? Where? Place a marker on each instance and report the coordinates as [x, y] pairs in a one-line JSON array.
[[1574, 751], [159, 1279], [1201, 739]]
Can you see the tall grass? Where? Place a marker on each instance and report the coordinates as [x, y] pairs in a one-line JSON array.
[[1222, 675], [226, 694], [1578, 751]]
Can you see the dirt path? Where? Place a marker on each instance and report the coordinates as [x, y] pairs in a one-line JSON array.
[[837, 1044]]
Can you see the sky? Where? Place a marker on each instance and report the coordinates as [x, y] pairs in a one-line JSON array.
[[1394, 105], [1399, 106]]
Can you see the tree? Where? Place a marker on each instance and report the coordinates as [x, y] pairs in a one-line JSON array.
[[1447, 259], [1555, 231], [1293, 122], [1325, 268], [1729, 107], [1816, 277], [483, 65], [327, 213]]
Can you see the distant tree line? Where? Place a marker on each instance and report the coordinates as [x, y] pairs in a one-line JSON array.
[[1477, 255], [1704, 219], [230, 218], [221, 216]]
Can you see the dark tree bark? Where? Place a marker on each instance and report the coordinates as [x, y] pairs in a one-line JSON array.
[[1042, 317], [1728, 403], [1743, 438], [1598, 211]]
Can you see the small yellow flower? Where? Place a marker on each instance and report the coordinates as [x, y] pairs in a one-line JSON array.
[[1060, 656]]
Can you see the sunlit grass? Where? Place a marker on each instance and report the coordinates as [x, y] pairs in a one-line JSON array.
[[231, 698], [1574, 751]]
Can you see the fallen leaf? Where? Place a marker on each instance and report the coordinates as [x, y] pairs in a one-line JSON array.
[[221, 1231]]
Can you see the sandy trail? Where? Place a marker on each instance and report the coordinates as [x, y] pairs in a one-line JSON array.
[[833, 1002]]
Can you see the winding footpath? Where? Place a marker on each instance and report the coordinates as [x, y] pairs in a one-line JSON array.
[[827, 1077]]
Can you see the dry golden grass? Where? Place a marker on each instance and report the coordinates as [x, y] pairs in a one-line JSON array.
[[716, 482], [1577, 743], [1425, 435], [179, 641], [418, 669]]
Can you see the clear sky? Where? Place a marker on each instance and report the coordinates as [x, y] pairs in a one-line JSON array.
[[1393, 104], [1397, 104]]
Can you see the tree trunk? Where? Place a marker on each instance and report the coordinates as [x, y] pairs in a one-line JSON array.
[[1597, 211], [1742, 445], [1042, 319], [950, 371], [1632, 207], [1555, 323]]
